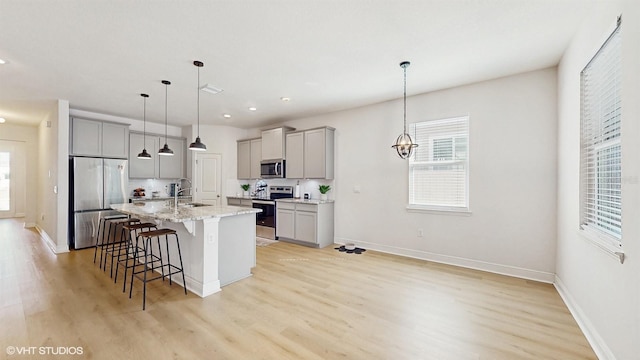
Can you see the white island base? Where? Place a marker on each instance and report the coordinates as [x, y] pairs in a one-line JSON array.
[[219, 252], [217, 249]]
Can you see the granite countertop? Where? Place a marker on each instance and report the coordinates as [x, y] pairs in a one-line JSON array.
[[160, 211], [158, 198], [303, 201]]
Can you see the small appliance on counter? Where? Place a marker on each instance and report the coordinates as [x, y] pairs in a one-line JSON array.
[[139, 192], [173, 187], [261, 189]]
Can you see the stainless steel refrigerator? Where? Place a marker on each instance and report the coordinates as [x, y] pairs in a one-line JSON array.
[[95, 183]]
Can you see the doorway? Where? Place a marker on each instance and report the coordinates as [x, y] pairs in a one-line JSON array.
[[208, 178], [7, 189]]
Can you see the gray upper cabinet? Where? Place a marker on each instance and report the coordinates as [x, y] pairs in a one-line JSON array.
[[273, 143], [115, 140], [256, 157], [318, 153], [244, 159], [86, 137], [143, 169], [98, 138], [295, 155], [310, 154], [172, 167], [249, 156], [159, 167]]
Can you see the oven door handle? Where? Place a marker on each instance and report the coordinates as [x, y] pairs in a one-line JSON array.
[[264, 202]]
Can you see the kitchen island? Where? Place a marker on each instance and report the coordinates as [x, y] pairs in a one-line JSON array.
[[218, 243]]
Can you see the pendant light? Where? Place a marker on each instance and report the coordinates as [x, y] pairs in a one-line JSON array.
[[165, 151], [404, 145], [144, 155], [198, 145]]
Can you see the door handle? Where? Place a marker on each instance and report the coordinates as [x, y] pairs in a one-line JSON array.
[[218, 195]]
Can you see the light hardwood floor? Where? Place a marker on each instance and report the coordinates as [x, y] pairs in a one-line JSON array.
[[301, 303]]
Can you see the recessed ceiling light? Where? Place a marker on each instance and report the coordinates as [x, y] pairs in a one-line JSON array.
[[211, 89], [2, 62], [285, 99], [227, 116], [253, 108], [2, 120]]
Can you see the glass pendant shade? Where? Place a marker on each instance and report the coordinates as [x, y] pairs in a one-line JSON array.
[[198, 145], [165, 151], [404, 144], [144, 155]]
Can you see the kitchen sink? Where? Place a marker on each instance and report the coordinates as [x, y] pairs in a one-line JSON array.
[[192, 205]]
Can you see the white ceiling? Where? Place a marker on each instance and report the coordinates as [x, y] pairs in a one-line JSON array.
[[325, 55]]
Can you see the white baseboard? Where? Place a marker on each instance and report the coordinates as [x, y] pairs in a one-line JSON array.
[[593, 337], [50, 243], [19, 215], [457, 261], [29, 225]]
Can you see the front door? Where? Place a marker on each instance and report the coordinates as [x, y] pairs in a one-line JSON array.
[[7, 193], [208, 178]]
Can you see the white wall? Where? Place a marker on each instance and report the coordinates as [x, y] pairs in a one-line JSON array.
[[512, 228], [25, 139], [603, 294], [53, 177]]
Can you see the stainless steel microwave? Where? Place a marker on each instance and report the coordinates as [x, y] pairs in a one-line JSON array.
[[272, 168]]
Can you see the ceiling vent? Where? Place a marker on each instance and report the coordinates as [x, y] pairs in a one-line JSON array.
[[211, 89]]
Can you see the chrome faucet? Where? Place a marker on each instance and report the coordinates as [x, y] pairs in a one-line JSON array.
[[175, 195]]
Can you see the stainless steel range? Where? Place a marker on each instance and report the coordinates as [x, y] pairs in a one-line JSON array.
[[266, 220]]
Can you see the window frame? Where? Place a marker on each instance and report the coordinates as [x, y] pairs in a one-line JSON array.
[[439, 208], [600, 236]]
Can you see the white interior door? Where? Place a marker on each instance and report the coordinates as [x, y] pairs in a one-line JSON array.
[[208, 178], [7, 189]]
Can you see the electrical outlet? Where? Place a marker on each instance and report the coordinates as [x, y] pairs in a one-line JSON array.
[[420, 233]]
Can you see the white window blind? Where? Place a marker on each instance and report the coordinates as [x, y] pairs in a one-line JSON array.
[[600, 151], [438, 170]]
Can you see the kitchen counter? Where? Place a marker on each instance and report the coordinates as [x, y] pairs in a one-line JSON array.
[[160, 198], [160, 211], [309, 201], [218, 243]]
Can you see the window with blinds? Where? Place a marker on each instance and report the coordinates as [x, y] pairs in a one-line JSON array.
[[600, 151], [439, 168]]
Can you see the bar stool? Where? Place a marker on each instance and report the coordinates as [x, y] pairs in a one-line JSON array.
[[103, 238], [126, 255], [150, 261], [108, 248]]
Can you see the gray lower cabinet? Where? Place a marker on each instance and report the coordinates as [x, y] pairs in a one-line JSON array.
[[305, 223], [158, 167], [234, 201]]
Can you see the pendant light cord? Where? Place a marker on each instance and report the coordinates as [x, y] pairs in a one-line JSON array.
[[144, 123], [166, 97], [405, 98], [198, 90]]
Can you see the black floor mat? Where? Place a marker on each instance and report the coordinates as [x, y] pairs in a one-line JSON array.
[[354, 251]]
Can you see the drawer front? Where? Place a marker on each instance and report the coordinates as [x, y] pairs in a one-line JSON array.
[[286, 205], [307, 207], [246, 202], [234, 202]]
